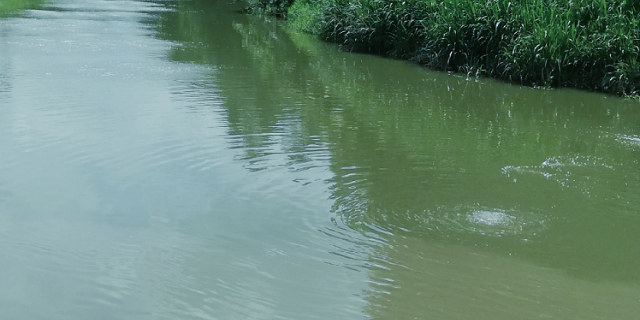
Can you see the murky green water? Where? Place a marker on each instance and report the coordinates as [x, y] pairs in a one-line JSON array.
[[179, 160]]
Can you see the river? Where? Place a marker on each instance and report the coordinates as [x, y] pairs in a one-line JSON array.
[[181, 160]]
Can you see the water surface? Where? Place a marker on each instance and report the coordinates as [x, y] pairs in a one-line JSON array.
[[180, 160]]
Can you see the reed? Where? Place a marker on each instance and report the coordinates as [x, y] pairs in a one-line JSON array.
[[585, 44]]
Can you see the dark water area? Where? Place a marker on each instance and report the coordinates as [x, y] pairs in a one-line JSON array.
[[181, 160]]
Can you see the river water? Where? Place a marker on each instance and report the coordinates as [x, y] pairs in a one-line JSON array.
[[180, 160]]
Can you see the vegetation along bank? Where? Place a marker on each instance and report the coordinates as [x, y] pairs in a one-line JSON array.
[[8, 7], [583, 44]]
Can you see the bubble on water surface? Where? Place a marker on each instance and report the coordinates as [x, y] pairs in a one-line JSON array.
[[490, 218], [486, 221]]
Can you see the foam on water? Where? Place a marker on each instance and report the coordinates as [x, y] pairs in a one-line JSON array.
[[490, 218], [485, 221]]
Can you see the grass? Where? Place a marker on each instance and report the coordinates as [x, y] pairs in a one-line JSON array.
[[8, 7], [584, 44]]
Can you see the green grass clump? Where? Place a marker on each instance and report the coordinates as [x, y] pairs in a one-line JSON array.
[[306, 15], [584, 44], [8, 7]]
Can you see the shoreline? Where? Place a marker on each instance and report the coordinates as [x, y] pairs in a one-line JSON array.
[[14, 7], [538, 43]]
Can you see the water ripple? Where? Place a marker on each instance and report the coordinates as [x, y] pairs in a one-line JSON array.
[[593, 176]]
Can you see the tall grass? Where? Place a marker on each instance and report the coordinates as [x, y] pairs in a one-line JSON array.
[[574, 43], [13, 6]]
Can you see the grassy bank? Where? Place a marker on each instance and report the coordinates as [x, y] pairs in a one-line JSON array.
[[584, 44], [8, 7]]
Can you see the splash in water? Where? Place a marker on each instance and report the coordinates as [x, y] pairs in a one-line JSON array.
[[486, 221]]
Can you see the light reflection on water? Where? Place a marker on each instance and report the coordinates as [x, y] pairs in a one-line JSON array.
[[126, 194]]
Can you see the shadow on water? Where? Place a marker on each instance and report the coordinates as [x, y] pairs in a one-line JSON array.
[[477, 192]]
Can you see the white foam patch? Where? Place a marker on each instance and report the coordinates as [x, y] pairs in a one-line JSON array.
[[485, 221]]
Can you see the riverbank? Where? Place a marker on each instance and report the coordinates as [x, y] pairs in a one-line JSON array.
[[8, 7], [580, 44]]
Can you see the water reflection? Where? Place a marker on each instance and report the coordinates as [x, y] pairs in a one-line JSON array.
[[262, 174], [449, 163], [123, 187]]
